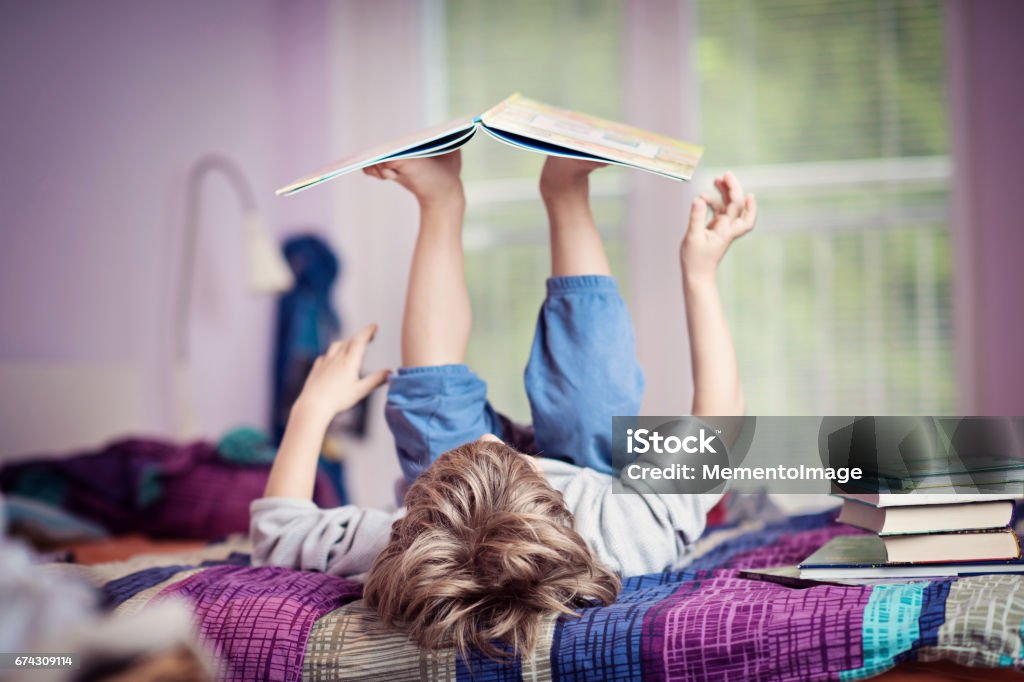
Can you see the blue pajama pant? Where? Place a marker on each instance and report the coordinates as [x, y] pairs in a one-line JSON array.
[[582, 371]]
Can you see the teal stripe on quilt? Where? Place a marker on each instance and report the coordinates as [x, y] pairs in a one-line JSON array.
[[1009, 661], [891, 627]]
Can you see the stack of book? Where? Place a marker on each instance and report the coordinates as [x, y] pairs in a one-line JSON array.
[[920, 535]]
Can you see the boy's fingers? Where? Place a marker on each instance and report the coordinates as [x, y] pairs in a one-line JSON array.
[[734, 205], [335, 348], [727, 196], [722, 188], [362, 338], [745, 223], [371, 381], [733, 183], [698, 215], [750, 214], [714, 203], [388, 173], [367, 332]]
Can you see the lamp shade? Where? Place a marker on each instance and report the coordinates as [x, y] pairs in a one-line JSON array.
[[268, 270]]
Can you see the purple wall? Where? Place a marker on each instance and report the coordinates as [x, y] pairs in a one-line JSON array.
[[105, 105], [987, 100]]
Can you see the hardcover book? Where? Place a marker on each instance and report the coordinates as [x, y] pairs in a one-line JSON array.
[[935, 518], [911, 498], [871, 556]]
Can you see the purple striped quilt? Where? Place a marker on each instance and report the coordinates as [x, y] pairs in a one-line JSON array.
[[701, 623]]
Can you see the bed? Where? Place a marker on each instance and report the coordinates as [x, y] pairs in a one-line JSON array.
[[704, 622]]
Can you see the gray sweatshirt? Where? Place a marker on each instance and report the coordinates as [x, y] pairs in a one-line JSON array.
[[630, 533]]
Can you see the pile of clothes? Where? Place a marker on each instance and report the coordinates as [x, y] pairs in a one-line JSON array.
[[162, 489]]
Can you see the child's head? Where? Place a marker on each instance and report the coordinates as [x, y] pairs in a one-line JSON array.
[[485, 549]]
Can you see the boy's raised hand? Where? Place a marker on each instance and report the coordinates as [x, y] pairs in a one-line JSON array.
[[706, 241], [431, 180], [334, 384]]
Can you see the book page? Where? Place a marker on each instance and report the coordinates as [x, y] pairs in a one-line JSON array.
[[594, 136], [442, 138]]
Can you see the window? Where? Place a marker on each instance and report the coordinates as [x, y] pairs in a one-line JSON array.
[[835, 113], [491, 50]]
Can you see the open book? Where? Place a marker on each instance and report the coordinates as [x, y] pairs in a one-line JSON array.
[[528, 124]]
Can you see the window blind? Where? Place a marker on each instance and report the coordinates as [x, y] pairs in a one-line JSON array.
[[834, 113]]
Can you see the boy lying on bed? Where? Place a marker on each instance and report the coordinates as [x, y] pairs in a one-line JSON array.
[[490, 539]]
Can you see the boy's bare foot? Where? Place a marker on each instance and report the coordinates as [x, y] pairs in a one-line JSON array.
[[563, 176], [434, 181]]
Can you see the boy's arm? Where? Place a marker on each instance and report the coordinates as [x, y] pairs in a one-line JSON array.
[[333, 386], [297, 534], [716, 380]]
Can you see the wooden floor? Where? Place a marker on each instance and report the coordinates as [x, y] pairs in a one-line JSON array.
[[123, 547]]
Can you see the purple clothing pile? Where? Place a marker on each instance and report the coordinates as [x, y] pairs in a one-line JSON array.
[[153, 487]]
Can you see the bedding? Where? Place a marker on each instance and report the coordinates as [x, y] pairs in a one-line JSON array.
[[701, 622]]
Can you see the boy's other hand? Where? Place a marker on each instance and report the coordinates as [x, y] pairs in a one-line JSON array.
[[334, 384], [562, 175], [706, 241], [432, 180]]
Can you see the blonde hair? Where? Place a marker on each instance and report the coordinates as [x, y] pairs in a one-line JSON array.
[[485, 549]]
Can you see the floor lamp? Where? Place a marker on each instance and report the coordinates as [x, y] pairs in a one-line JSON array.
[[268, 272]]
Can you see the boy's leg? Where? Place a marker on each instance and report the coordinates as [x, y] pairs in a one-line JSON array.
[[437, 319], [576, 246], [433, 409], [583, 368], [435, 403]]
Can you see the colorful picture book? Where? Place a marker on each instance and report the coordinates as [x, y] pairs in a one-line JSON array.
[[528, 124]]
